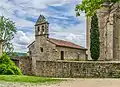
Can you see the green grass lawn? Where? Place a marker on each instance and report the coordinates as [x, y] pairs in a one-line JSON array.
[[29, 79]]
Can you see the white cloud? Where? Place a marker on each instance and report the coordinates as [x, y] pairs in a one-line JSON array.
[[76, 34], [78, 39], [33, 8], [22, 40]]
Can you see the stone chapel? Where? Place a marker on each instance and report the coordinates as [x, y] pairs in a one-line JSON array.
[[50, 49]]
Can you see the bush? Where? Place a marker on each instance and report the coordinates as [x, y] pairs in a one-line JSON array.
[[8, 67]]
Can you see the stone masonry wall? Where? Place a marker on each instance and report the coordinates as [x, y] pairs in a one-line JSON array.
[[25, 65], [71, 54], [48, 49], [77, 69]]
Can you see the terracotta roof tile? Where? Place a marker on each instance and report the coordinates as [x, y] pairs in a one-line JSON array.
[[65, 43]]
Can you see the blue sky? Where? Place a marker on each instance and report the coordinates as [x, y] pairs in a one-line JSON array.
[[60, 14]]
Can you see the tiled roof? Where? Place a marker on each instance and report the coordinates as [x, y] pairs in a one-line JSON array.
[[65, 43]]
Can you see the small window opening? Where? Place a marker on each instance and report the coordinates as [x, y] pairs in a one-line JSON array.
[[42, 28], [38, 28], [41, 49]]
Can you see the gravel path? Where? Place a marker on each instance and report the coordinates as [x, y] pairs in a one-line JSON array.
[[70, 83]]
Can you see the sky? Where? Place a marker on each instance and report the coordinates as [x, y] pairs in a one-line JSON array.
[[60, 14]]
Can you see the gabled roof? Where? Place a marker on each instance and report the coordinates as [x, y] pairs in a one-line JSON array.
[[63, 43]]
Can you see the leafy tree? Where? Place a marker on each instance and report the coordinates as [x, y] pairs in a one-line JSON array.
[[94, 38], [8, 67], [7, 31], [90, 6]]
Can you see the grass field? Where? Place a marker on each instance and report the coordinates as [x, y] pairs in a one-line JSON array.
[[28, 79]]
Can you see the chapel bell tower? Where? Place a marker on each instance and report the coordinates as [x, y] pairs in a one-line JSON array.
[[41, 27]]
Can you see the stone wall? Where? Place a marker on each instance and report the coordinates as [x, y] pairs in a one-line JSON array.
[[71, 53], [25, 65], [77, 69], [48, 49], [70, 69]]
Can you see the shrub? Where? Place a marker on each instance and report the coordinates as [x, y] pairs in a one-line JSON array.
[[16, 70], [8, 67]]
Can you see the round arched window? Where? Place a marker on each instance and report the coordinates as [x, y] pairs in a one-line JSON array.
[[42, 28], [38, 28]]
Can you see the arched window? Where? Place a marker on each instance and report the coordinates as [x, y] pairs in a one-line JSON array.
[[42, 28], [38, 28]]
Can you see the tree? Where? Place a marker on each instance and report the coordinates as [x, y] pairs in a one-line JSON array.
[[91, 6], [7, 31], [8, 67], [94, 38]]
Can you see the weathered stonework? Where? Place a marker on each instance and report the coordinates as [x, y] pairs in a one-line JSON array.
[[71, 54], [25, 65], [86, 69], [49, 49], [70, 69], [109, 29], [44, 49]]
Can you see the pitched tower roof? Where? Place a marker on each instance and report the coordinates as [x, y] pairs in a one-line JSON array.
[[41, 20]]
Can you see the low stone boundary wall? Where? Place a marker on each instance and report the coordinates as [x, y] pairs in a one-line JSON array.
[[65, 69], [24, 63]]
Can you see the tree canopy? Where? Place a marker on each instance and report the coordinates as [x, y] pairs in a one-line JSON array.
[[90, 6], [7, 31]]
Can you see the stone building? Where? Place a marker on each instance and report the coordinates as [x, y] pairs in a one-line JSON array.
[[50, 49], [109, 28]]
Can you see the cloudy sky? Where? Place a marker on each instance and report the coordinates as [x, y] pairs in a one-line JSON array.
[[60, 14]]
